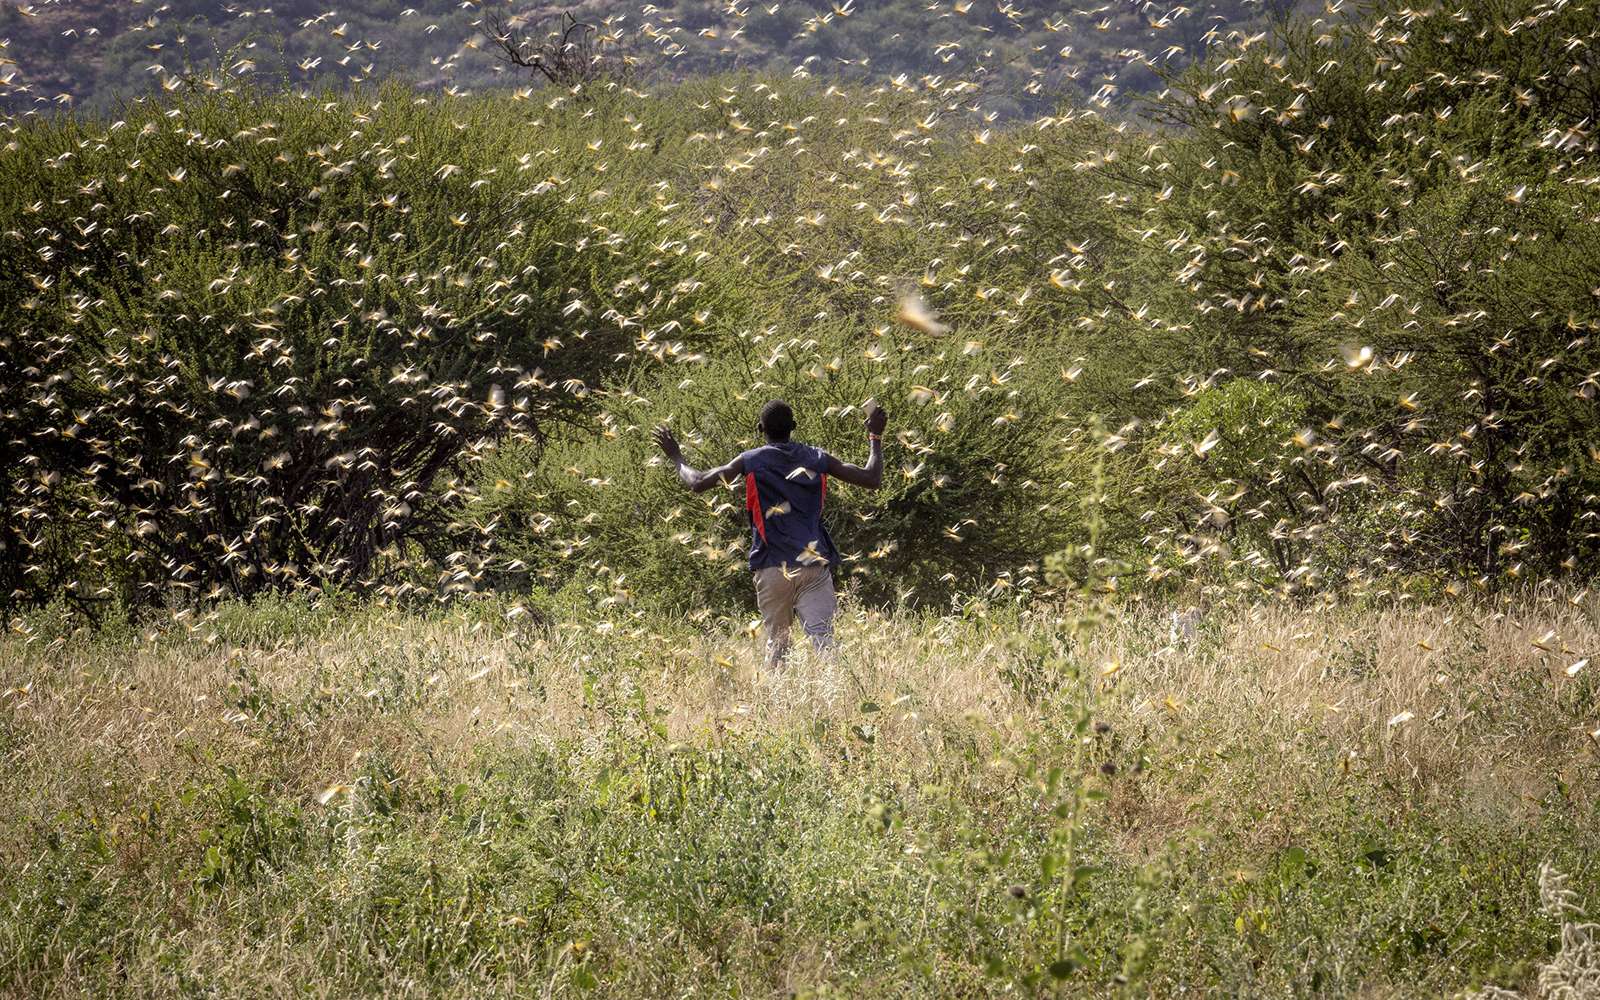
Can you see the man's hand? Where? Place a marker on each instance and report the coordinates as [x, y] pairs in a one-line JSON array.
[[668, 445], [877, 419], [870, 475]]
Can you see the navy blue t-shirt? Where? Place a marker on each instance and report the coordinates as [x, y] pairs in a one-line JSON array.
[[784, 487]]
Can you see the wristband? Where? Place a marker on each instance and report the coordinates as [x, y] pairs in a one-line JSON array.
[[874, 437]]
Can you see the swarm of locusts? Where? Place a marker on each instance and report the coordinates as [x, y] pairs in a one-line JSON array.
[[255, 341]]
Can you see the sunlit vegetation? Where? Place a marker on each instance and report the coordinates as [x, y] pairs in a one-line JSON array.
[[1223, 625], [330, 798]]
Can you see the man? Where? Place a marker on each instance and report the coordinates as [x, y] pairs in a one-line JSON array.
[[791, 555]]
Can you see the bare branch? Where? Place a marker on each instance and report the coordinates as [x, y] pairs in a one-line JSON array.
[[568, 53]]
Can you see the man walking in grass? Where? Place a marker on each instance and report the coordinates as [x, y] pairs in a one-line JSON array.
[[791, 555]]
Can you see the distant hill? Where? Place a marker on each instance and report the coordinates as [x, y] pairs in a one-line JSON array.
[[1001, 57]]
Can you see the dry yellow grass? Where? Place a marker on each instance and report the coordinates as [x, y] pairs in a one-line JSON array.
[[1445, 698], [1243, 722]]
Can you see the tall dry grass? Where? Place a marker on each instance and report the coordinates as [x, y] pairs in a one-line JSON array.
[[1241, 722], [1452, 700]]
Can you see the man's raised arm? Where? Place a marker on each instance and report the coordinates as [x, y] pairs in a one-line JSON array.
[[696, 480], [870, 475]]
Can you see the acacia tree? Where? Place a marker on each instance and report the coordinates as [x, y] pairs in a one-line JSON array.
[[1394, 217], [563, 50]]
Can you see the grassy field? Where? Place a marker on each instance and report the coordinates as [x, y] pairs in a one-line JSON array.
[[289, 799]]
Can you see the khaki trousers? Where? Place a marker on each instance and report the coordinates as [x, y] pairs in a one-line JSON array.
[[782, 593]]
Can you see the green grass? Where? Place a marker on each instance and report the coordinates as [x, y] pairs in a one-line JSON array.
[[637, 812]]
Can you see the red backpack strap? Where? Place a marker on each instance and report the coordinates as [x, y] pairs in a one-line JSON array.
[[752, 503]]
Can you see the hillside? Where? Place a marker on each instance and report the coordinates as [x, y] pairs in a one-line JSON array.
[[92, 53]]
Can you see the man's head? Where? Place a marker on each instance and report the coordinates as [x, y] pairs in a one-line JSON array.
[[777, 421]]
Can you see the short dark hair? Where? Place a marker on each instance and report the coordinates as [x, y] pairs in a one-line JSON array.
[[777, 420]]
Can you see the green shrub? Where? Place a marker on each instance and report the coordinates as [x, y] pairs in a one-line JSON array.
[[970, 462], [251, 340], [1366, 212], [1228, 468]]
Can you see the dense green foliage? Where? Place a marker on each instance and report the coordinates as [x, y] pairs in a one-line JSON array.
[[945, 522], [251, 369], [1435, 222], [1326, 322]]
